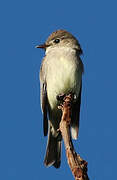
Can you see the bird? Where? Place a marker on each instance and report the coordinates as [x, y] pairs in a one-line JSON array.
[[60, 74]]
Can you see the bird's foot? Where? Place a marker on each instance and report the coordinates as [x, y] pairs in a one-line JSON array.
[[60, 97]]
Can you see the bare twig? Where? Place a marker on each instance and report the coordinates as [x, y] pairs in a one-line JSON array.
[[76, 163]]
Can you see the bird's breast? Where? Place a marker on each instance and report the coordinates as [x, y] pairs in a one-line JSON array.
[[63, 76]]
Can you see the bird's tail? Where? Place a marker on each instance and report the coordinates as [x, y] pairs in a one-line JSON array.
[[53, 151]]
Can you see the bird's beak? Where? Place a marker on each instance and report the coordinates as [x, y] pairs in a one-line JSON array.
[[43, 46]]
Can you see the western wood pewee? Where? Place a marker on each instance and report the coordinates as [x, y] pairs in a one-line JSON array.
[[60, 73]]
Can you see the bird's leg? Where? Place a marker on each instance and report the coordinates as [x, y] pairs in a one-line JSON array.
[[60, 97]]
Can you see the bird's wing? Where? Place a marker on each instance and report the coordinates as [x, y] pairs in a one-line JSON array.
[[76, 116], [44, 100]]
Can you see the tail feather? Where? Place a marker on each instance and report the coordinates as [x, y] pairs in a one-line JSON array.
[[53, 151]]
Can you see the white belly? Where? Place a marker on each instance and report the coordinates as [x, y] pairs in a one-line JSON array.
[[63, 76]]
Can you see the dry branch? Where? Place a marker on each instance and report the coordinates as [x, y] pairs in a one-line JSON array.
[[77, 165]]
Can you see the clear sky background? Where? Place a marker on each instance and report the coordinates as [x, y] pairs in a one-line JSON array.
[[26, 23]]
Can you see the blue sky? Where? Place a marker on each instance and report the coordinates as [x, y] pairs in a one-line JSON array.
[[24, 24]]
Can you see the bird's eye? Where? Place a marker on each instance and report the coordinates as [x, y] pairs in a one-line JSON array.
[[56, 41]]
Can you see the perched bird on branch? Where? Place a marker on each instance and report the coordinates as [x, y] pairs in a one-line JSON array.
[[60, 74]]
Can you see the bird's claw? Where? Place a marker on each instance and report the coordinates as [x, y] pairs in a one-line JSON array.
[[60, 97]]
